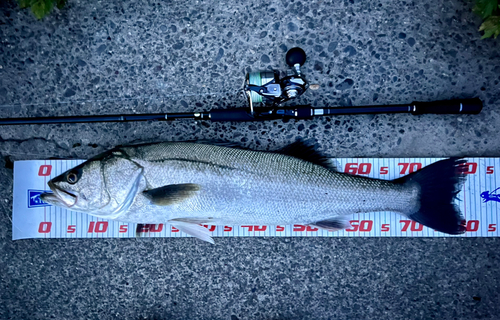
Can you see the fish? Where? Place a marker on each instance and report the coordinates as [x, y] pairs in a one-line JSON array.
[[188, 184]]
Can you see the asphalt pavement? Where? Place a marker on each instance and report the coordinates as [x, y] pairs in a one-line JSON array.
[[108, 57]]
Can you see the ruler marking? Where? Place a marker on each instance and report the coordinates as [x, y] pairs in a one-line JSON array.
[[44, 208], [472, 214], [483, 214], [495, 173], [487, 163], [474, 208]]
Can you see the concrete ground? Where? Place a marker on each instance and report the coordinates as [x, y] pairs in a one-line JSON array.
[[98, 57]]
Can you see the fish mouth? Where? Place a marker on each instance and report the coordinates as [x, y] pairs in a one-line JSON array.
[[59, 197]]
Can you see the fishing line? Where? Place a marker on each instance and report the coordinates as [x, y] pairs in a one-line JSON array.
[[26, 154], [266, 92], [4, 203], [158, 98], [6, 210]]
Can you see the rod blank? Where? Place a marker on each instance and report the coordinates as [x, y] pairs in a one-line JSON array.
[[464, 106]]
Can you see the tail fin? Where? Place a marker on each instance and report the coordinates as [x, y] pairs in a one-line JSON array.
[[439, 184]]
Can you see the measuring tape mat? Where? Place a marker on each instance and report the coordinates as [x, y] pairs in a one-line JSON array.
[[478, 200]]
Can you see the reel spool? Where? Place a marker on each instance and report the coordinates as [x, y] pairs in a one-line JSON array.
[[266, 87], [268, 83]]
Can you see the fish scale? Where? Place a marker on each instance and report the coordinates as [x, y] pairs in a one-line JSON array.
[[241, 186], [189, 183]]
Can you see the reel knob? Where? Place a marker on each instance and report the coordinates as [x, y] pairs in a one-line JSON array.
[[295, 56]]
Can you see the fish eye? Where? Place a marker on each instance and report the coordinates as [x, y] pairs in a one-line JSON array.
[[72, 178]]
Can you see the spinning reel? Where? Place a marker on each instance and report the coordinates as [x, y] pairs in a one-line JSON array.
[[266, 88]]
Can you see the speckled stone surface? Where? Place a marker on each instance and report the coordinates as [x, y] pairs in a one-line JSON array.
[[97, 57]]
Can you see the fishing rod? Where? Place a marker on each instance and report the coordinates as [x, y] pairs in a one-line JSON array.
[[266, 93]]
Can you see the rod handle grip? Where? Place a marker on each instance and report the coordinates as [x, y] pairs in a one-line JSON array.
[[459, 106]]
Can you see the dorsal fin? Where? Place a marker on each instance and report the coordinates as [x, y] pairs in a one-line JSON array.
[[306, 152], [298, 149]]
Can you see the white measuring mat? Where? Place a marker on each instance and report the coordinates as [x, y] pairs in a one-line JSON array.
[[478, 200]]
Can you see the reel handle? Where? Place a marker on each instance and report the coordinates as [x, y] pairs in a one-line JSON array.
[[295, 56]]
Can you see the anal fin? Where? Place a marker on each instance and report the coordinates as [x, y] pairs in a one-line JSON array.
[[193, 229], [335, 224]]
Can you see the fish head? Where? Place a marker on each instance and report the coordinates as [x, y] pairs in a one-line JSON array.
[[103, 186], [78, 189]]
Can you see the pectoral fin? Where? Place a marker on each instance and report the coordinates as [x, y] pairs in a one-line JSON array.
[[335, 224], [194, 230], [171, 194]]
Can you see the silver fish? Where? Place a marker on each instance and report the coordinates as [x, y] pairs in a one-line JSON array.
[[188, 184]]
